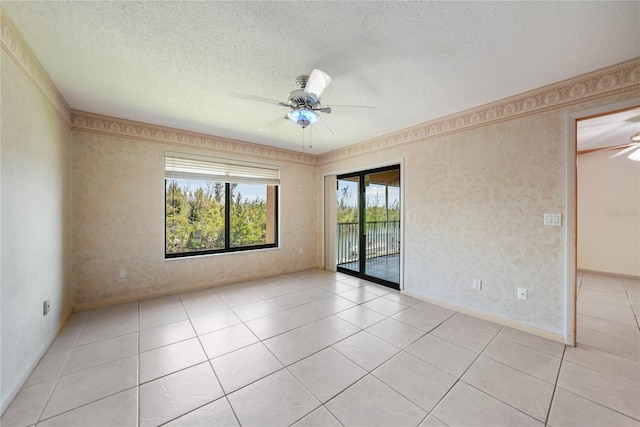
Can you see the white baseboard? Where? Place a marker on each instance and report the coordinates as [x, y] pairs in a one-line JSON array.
[[490, 317], [198, 287]]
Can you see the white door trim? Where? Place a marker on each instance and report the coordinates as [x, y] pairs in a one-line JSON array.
[[571, 197]]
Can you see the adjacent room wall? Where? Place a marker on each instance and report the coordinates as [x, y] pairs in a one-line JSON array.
[[118, 212], [608, 214], [474, 202], [36, 250]]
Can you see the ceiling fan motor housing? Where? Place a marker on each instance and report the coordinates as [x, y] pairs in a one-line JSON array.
[[301, 99]]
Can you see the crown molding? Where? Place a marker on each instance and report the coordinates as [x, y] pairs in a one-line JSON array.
[[620, 78], [96, 123], [18, 50]]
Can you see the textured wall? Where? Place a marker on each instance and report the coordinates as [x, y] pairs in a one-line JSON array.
[[118, 218], [36, 251], [608, 214], [473, 208]]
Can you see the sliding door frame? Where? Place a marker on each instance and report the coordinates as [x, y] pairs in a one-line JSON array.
[[362, 217]]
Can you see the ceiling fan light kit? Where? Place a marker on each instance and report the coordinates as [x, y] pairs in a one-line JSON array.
[[303, 117]]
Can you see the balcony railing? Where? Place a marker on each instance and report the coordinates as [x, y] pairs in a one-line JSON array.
[[383, 238]]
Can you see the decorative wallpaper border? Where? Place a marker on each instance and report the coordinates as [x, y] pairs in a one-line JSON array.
[[608, 81], [14, 45], [96, 123], [623, 77]]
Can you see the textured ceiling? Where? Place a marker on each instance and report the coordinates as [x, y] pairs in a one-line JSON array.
[[610, 130], [175, 63]]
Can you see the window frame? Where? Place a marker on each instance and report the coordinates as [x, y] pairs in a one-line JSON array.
[[227, 214]]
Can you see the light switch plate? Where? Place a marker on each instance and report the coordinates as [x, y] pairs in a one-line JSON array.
[[554, 219]]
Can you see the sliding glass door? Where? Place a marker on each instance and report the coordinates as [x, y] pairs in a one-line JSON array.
[[368, 233], [348, 223]]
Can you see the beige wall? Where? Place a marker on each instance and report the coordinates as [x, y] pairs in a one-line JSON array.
[[36, 251], [118, 216], [473, 208], [608, 214]]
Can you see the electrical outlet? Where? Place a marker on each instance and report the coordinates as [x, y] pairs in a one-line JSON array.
[[46, 306], [122, 273], [477, 284], [523, 294]]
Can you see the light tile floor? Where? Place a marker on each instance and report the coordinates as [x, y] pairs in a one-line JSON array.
[[385, 267], [324, 349]]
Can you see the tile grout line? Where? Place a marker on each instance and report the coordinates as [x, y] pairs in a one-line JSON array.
[[55, 386], [555, 387], [329, 346], [603, 351], [462, 374], [322, 405], [86, 404], [224, 395], [72, 349], [603, 319], [208, 361], [490, 395], [524, 372], [504, 403], [594, 401], [395, 355], [599, 404], [40, 419], [284, 367], [626, 291], [404, 350]]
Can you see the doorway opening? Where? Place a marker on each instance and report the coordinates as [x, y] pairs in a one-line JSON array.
[[368, 225], [608, 242]]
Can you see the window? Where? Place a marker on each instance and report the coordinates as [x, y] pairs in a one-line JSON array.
[[213, 206]]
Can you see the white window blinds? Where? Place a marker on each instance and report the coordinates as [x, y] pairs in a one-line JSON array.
[[187, 166]]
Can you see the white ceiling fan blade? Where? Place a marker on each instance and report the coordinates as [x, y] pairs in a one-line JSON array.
[[351, 110], [323, 129], [635, 156], [318, 82], [257, 99], [608, 148], [274, 123], [625, 151]]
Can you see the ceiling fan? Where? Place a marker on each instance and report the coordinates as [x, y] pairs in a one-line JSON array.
[[632, 149], [304, 104]]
